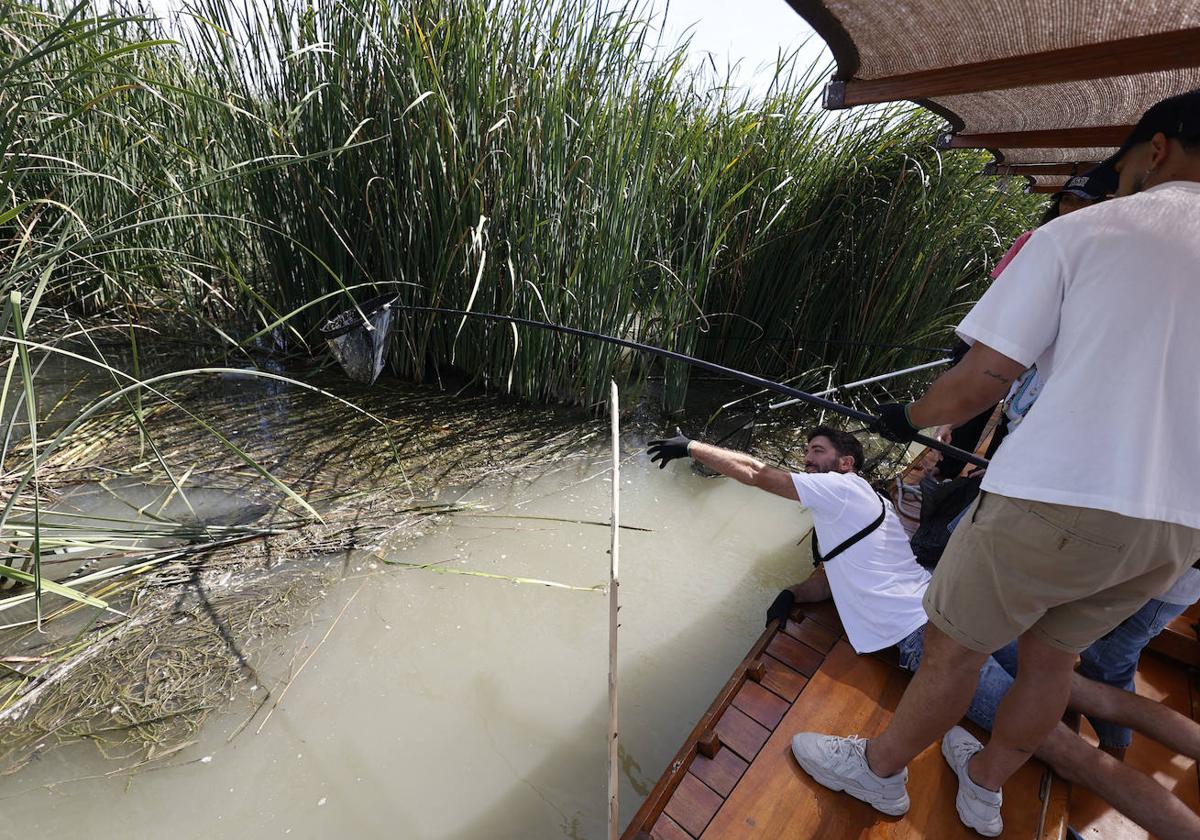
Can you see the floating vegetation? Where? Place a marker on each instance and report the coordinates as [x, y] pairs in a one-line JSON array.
[[203, 601]]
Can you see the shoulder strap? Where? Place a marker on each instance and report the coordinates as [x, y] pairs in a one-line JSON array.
[[818, 558]]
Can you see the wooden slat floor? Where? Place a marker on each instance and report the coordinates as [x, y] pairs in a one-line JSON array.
[[852, 694], [751, 786]]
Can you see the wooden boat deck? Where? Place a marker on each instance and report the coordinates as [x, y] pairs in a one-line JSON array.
[[735, 776]]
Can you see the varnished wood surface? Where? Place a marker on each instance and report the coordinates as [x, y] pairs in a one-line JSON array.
[[848, 695], [761, 704], [1164, 681], [721, 772], [741, 733], [781, 679], [795, 654], [667, 829], [693, 805]]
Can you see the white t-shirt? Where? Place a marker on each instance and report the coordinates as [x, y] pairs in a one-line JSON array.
[[877, 584], [1105, 301]]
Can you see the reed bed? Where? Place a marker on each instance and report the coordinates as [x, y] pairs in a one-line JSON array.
[[552, 161]]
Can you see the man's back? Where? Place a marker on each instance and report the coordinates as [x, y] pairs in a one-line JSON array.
[[877, 584], [1113, 427]]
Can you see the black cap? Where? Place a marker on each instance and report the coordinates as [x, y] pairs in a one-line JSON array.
[[1175, 116], [1087, 186]]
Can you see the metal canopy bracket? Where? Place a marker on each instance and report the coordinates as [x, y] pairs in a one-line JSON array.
[[835, 96]]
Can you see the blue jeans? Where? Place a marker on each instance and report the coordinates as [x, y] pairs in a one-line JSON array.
[[995, 676], [1113, 659]]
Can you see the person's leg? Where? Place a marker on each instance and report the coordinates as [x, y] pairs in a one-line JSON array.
[[1113, 659], [936, 698], [1029, 711], [1124, 708], [1131, 792]]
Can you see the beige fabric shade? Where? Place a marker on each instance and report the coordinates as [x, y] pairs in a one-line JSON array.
[[1040, 83]]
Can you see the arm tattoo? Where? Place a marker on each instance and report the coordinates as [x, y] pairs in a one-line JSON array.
[[998, 376]]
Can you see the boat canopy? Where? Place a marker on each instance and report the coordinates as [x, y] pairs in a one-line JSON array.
[[1049, 88]]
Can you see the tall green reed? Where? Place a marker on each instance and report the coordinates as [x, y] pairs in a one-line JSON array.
[[545, 160], [551, 161], [116, 205]]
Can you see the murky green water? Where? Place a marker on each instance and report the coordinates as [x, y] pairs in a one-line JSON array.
[[452, 705]]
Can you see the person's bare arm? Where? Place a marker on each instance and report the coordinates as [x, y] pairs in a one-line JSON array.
[[980, 380], [744, 468], [816, 588]]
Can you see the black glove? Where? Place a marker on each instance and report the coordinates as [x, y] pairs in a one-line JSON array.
[[781, 608], [893, 423], [663, 452]]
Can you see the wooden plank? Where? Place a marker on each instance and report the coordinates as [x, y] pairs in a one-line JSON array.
[[1051, 138], [653, 804], [741, 733], [849, 694], [822, 612], [816, 636], [782, 680], [692, 805], [721, 772], [761, 704], [667, 829], [1122, 57], [794, 654]]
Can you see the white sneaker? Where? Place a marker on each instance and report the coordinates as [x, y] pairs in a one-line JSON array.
[[841, 764], [978, 807]]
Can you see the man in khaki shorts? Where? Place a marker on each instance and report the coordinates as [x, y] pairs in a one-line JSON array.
[[1092, 506]]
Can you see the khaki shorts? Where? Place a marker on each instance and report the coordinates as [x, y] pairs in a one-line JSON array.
[[1067, 574]]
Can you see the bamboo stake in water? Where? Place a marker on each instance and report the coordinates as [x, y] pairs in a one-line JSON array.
[[35, 548], [614, 812]]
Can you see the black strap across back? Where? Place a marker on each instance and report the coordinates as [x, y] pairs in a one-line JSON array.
[[818, 558]]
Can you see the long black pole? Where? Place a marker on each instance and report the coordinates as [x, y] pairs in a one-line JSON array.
[[712, 367]]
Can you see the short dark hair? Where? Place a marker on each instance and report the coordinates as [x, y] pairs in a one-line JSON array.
[[844, 442]]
